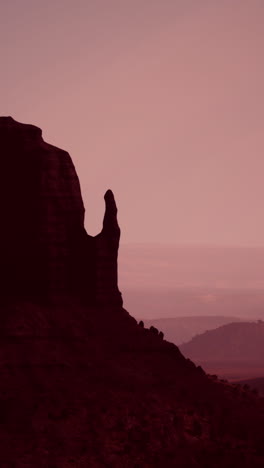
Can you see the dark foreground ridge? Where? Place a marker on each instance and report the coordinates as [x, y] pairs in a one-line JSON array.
[[82, 384]]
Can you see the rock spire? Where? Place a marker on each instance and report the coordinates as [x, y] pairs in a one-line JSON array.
[[45, 252]]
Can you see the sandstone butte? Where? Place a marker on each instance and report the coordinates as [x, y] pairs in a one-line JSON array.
[[82, 384], [46, 252]]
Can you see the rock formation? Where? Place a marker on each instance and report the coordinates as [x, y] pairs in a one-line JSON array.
[[82, 384], [46, 253]]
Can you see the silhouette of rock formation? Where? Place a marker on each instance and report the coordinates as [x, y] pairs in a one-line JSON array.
[[46, 253], [82, 384]]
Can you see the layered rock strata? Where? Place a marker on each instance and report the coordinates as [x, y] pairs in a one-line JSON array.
[[45, 252]]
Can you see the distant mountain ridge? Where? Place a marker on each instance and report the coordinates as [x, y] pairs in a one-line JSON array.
[[154, 303], [234, 351], [241, 341], [181, 329]]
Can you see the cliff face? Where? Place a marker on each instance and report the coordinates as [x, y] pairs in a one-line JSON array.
[[46, 253]]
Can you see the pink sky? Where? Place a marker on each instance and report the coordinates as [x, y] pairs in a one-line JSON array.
[[160, 100]]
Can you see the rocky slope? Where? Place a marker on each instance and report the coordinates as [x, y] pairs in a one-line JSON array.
[[89, 387]]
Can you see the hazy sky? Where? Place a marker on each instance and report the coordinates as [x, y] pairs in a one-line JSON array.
[[160, 100]]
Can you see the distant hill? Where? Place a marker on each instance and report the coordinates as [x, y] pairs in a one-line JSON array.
[[234, 341], [181, 329], [234, 350]]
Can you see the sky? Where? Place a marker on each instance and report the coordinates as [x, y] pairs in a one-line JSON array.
[[160, 100]]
